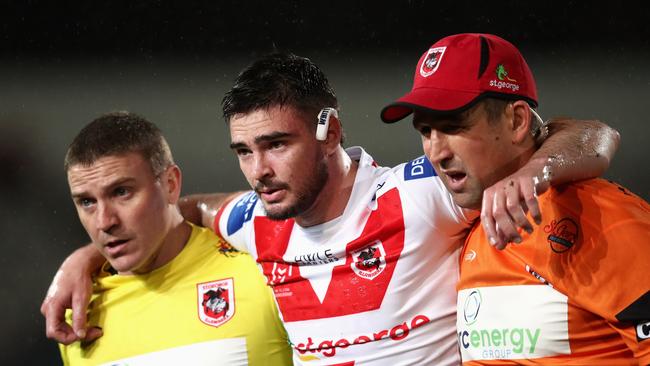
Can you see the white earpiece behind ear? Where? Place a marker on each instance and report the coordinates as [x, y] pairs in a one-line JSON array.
[[542, 129], [324, 122]]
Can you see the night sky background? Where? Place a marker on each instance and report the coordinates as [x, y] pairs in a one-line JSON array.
[[64, 63]]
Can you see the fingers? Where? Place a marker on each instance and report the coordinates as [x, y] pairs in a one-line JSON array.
[[505, 224], [79, 309], [516, 207], [93, 333], [486, 216], [504, 210], [56, 327], [529, 193]]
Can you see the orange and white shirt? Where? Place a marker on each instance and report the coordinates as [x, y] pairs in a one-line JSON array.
[[575, 292]]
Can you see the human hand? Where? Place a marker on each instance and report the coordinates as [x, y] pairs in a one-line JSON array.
[[70, 288], [506, 203]]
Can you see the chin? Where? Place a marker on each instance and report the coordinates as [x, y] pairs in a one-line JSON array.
[[278, 213], [123, 266], [467, 200]]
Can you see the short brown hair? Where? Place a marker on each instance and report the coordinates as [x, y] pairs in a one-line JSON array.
[[118, 133]]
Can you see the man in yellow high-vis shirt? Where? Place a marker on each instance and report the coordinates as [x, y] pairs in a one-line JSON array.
[[169, 292]]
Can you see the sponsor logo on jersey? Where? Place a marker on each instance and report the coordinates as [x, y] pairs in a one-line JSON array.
[[280, 272], [241, 212], [538, 276], [320, 257], [470, 256], [432, 61], [216, 301], [370, 261], [472, 307], [418, 168], [512, 322], [643, 331], [329, 347], [563, 234]]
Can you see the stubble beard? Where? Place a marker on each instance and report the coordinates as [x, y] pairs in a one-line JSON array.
[[306, 195]]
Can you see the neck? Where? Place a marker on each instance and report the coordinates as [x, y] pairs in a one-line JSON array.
[[519, 158], [173, 243], [333, 199]]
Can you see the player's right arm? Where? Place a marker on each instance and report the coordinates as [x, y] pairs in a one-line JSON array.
[[71, 287]]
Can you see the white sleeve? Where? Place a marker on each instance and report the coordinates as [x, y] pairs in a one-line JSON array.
[[424, 190], [234, 220]]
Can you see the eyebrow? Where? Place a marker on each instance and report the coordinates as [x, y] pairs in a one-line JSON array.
[[264, 138], [114, 184]]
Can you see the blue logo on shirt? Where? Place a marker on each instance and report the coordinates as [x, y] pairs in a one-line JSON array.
[[418, 168], [241, 213]]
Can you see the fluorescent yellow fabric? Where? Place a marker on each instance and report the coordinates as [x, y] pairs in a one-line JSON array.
[[158, 316]]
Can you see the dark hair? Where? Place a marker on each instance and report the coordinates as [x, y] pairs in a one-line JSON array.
[[119, 133], [279, 79]]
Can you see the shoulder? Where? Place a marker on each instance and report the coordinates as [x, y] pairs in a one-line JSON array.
[[417, 169], [237, 213], [598, 204]]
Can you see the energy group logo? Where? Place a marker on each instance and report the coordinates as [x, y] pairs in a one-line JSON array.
[[507, 322], [472, 307]]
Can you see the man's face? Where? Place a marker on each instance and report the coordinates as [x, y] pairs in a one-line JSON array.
[[121, 204], [281, 159], [469, 154]]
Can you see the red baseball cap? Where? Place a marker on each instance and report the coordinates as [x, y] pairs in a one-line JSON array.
[[459, 70]]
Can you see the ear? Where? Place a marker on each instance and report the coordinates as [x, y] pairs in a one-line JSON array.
[[521, 121], [172, 179], [334, 131]]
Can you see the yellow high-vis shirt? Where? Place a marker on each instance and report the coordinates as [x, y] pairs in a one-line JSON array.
[[208, 306]]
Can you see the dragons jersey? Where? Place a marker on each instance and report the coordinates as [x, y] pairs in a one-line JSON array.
[[208, 306], [374, 286], [574, 292]]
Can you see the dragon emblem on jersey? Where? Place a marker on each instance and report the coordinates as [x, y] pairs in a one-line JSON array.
[[216, 301], [431, 61], [227, 249], [370, 261]]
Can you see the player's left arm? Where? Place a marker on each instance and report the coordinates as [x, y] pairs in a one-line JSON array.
[[574, 150]]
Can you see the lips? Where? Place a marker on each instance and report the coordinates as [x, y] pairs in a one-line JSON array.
[[271, 195], [271, 192], [455, 180], [116, 247]]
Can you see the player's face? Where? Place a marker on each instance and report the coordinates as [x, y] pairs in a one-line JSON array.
[[469, 155], [123, 207], [281, 159]]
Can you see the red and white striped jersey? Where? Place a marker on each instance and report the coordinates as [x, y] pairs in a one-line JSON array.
[[373, 286]]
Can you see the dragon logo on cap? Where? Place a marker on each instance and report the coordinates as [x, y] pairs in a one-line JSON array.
[[432, 61]]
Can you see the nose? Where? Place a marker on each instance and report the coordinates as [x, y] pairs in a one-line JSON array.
[[106, 218], [436, 147], [261, 168]]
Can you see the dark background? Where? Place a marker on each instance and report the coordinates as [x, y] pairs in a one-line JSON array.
[[64, 63]]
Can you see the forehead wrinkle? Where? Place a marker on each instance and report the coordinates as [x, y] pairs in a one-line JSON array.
[[102, 174]]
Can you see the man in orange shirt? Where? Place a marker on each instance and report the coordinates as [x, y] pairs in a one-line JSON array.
[[576, 290]]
